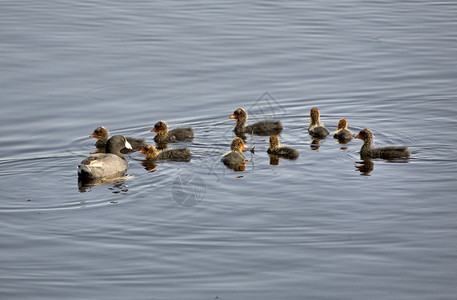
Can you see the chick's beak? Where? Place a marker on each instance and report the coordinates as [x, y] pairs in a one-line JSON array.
[[153, 129], [233, 116], [358, 137]]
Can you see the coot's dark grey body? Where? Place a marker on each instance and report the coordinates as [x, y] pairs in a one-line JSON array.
[[106, 165]]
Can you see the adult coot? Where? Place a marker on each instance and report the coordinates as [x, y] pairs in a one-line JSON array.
[[106, 165]]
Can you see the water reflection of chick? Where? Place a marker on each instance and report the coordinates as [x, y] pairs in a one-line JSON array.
[[234, 159], [315, 144], [390, 152], [274, 160], [239, 168], [342, 133], [119, 187], [364, 166], [153, 154], [278, 151], [149, 165], [264, 128], [316, 128]]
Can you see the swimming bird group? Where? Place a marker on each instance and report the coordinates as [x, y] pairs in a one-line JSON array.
[[110, 162]]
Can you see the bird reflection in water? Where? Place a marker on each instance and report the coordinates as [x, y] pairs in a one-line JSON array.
[[364, 166], [315, 144], [343, 142], [86, 185], [149, 165], [274, 160], [119, 187]]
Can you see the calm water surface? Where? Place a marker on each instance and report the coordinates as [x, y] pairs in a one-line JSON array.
[[325, 226]]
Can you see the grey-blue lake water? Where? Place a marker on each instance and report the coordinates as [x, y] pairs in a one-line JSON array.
[[324, 226]]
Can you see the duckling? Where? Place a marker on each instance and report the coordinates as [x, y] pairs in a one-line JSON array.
[[102, 135], [163, 135], [281, 151], [316, 128], [152, 153], [106, 165], [235, 156], [390, 152], [264, 128], [342, 133]]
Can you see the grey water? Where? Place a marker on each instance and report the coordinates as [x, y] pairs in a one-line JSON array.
[[324, 226]]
